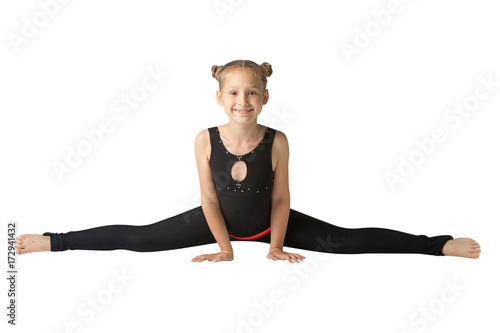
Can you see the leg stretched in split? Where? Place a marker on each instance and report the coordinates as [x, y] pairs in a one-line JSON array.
[[183, 230], [306, 232]]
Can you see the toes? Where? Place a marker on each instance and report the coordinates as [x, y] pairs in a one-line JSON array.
[[473, 255], [475, 249]]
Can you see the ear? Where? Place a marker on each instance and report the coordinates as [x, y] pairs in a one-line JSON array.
[[219, 98], [266, 97]]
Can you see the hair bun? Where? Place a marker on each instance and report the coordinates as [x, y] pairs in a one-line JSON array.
[[266, 67], [215, 71]]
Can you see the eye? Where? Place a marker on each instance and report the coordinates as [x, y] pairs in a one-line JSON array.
[[232, 93], [253, 92]]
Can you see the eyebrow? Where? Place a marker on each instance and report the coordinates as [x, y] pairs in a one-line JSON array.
[[252, 87]]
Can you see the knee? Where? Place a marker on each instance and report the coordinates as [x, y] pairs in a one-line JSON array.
[[137, 240]]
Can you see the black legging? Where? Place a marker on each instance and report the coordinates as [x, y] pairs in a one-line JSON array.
[[191, 229]]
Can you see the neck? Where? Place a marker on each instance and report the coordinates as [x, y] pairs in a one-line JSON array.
[[243, 132]]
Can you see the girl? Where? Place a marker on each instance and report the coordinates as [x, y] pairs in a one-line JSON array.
[[243, 173]]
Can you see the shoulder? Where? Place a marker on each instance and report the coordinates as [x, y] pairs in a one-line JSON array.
[[202, 137], [280, 143], [202, 141], [280, 139]]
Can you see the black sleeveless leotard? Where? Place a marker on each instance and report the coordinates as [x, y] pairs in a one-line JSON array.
[[245, 205], [246, 208]]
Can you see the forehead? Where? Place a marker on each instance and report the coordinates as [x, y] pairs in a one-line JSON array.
[[242, 76]]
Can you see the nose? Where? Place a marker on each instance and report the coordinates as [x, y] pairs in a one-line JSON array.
[[242, 100]]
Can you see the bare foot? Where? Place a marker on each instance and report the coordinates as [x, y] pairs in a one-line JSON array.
[[32, 243], [462, 247]]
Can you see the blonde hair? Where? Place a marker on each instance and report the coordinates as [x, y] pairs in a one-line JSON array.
[[260, 71]]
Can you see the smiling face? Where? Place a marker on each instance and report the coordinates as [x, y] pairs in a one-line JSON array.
[[242, 95]]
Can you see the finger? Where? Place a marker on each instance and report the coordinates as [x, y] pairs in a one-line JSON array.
[[272, 256], [199, 258], [285, 256]]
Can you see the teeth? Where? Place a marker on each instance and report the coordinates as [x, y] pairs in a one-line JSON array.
[[242, 111]]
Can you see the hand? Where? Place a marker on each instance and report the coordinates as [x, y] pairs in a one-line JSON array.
[[214, 257], [279, 254]]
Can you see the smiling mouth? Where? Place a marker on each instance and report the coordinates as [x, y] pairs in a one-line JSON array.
[[242, 111]]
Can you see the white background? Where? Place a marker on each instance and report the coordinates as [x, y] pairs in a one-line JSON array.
[[346, 121]]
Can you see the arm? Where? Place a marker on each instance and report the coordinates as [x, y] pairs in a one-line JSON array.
[[280, 201], [210, 202]]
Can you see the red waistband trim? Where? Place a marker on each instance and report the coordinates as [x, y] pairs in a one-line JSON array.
[[253, 237]]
